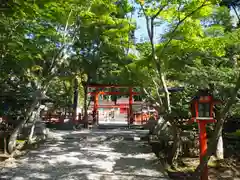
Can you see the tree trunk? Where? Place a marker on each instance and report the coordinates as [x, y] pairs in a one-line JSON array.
[[176, 147], [219, 149], [29, 116], [75, 99], [5, 143], [34, 116], [30, 137], [16, 131], [85, 105]]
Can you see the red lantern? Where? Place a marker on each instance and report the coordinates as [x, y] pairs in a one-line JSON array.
[[202, 108]]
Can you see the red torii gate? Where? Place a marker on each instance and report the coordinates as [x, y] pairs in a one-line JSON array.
[[97, 93]]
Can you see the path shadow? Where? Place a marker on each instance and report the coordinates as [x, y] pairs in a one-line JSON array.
[[88, 155]]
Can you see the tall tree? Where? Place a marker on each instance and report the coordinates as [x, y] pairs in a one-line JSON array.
[[41, 40], [178, 14]]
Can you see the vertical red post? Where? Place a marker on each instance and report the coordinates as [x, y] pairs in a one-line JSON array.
[[203, 147], [196, 107], [130, 105], [95, 107]]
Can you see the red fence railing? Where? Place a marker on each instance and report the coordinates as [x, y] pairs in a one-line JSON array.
[[138, 118]]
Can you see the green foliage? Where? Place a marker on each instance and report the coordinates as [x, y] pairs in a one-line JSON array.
[[49, 43], [200, 47], [52, 42], [237, 133]]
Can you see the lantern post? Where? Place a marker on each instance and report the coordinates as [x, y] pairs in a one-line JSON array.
[[202, 113]]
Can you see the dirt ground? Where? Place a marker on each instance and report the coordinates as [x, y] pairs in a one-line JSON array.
[[227, 169]]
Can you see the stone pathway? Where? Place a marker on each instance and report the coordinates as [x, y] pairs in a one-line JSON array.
[[87, 155]]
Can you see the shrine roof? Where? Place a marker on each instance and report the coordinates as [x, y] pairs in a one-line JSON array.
[[173, 89]]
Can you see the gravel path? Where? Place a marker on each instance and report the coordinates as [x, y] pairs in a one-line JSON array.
[[87, 155]]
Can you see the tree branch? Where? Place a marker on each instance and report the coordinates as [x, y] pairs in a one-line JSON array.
[[234, 8], [59, 52], [150, 29], [66, 26], [150, 97], [157, 89], [179, 23], [147, 20], [159, 11], [129, 25]]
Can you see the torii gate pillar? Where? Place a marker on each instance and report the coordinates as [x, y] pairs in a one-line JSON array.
[[95, 107], [130, 106]]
